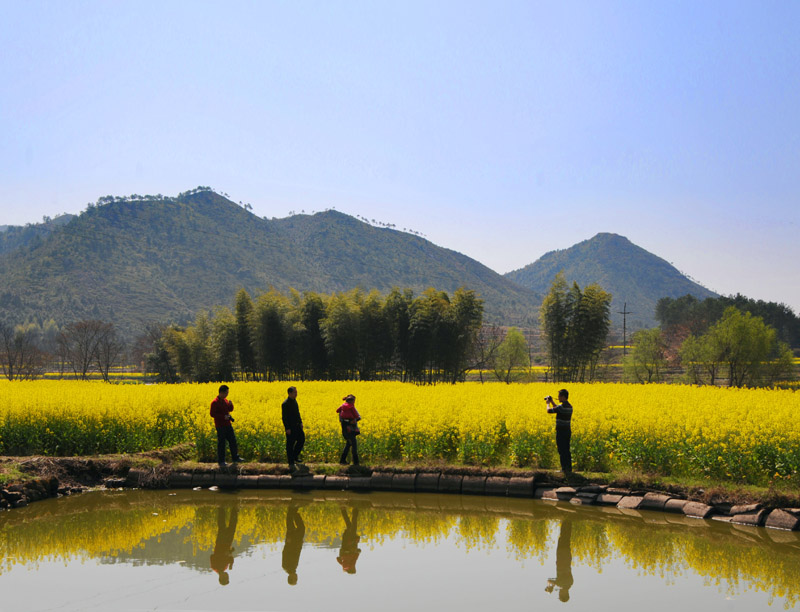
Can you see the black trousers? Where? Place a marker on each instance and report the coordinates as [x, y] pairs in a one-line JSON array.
[[563, 437], [226, 434], [294, 444], [350, 442]]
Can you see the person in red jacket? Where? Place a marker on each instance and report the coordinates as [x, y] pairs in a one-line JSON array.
[[221, 409], [348, 418]]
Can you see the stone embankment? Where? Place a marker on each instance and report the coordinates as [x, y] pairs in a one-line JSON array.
[[474, 484]]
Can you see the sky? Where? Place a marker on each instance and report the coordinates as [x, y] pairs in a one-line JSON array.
[[502, 130]]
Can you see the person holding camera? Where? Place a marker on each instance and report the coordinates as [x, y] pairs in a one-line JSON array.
[[221, 409], [563, 412]]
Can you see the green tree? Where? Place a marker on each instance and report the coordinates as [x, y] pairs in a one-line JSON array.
[[512, 357], [647, 360], [741, 345], [270, 335], [575, 324], [243, 309]]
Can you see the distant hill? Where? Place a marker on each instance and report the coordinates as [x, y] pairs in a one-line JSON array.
[[15, 236], [146, 259], [630, 273]]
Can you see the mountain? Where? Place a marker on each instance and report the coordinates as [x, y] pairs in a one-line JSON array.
[[631, 274], [149, 259], [15, 236]]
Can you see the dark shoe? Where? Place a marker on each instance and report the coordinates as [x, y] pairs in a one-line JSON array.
[[292, 467], [222, 465], [238, 460]]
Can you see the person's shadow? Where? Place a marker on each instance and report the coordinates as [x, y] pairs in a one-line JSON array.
[[348, 553], [563, 579], [295, 534], [222, 557]]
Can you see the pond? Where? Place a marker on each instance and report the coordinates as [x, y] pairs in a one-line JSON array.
[[281, 550]]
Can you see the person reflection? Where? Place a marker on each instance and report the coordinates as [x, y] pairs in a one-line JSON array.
[[295, 534], [348, 553], [222, 557], [563, 579]]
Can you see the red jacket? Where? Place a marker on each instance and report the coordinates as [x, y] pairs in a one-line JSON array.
[[220, 409], [348, 412]]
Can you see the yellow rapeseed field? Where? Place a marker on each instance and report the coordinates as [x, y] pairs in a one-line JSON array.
[[741, 435]]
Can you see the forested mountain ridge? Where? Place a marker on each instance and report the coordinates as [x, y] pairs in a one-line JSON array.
[[630, 273], [15, 236], [139, 260]]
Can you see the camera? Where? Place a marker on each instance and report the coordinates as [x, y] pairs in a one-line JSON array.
[[548, 398]]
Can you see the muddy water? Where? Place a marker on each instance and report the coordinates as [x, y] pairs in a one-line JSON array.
[[267, 550]]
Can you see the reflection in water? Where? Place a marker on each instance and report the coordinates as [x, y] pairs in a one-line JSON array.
[[349, 551], [293, 544], [563, 579], [222, 557], [189, 528]]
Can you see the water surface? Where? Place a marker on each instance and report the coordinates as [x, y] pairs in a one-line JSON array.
[[278, 550]]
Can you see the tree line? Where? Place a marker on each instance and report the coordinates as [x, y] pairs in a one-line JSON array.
[[427, 338], [80, 348], [740, 349]]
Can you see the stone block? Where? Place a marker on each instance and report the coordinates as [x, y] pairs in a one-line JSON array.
[[654, 501], [630, 502], [597, 489], [404, 482], [744, 509], [496, 485], [545, 493], [180, 480], [382, 481], [427, 483], [284, 481], [608, 499], [269, 481], [227, 481], [566, 493], [618, 491], [450, 483], [783, 519], [359, 483], [584, 499], [520, 487], [756, 518], [474, 485], [203, 479], [721, 518], [698, 510], [675, 505], [336, 482], [249, 481]]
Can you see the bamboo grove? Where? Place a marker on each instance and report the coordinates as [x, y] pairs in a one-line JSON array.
[[343, 336]]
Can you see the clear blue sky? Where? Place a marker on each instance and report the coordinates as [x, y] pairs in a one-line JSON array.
[[501, 130]]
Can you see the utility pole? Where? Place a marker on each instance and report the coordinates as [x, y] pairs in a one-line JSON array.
[[624, 312]]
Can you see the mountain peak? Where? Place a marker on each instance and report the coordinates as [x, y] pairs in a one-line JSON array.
[[631, 274]]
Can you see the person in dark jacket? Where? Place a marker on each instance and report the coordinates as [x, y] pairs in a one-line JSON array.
[[221, 409], [563, 412], [293, 424]]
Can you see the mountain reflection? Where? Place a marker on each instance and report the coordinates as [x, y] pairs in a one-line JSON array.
[[205, 531]]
